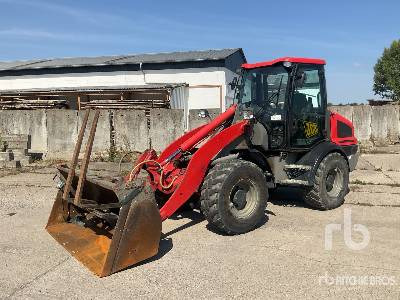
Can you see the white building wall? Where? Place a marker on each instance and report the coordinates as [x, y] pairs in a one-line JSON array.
[[206, 85]]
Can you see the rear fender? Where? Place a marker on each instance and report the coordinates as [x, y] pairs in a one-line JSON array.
[[198, 167], [316, 155]]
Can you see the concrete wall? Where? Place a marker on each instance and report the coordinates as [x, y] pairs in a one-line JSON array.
[[195, 120], [131, 130], [373, 125], [62, 129], [54, 132], [166, 125], [33, 123]]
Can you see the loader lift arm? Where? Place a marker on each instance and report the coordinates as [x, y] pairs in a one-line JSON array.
[[182, 182], [198, 165]]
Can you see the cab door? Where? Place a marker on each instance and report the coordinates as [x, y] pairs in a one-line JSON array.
[[307, 107]]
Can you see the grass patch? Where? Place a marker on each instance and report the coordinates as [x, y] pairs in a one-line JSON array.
[[2, 145], [359, 182], [115, 155]]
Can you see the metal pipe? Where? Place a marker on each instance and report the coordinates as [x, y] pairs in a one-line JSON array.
[[74, 161]]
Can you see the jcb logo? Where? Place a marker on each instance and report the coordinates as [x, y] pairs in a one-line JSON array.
[[310, 129]]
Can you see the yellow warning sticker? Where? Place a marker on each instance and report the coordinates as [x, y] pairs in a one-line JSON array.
[[310, 129]]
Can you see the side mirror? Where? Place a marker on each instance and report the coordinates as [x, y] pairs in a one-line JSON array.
[[301, 79]]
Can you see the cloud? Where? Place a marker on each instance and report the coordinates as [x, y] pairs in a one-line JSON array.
[[79, 14], [14, 36], [28, 33]]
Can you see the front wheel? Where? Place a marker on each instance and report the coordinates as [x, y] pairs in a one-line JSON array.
[[330, 183], [234, 196]]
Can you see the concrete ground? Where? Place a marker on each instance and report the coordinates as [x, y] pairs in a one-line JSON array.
[[284, 258]]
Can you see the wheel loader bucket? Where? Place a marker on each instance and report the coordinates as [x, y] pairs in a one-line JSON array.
[[104, 247], [107, 227]]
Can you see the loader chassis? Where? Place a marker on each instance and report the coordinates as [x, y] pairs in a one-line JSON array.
[[277, 133]]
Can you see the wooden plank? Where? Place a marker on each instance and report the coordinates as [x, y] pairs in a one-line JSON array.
[[86, 158], [79, 102], [74, 160]]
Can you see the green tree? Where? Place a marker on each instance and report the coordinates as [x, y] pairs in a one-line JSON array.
[[387, 73]]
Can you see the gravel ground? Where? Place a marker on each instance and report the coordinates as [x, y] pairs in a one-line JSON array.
[[284, 258]]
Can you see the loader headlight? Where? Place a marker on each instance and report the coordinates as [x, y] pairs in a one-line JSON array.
[[247, 115], [203, 113]]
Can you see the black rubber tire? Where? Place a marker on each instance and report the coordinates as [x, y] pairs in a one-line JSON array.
[[216, 193], [318, 196]]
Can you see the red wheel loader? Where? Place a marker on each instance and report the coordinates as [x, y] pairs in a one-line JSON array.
[[278, 133]]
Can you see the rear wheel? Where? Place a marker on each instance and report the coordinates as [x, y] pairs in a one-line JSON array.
[[330, 183], [234, 196]]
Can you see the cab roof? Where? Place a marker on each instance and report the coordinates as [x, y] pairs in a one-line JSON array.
[[315, 61]]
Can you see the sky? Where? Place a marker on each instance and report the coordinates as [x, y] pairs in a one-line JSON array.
[[349, 35]]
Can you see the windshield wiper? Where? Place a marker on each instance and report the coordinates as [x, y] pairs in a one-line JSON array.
[[276, 93]]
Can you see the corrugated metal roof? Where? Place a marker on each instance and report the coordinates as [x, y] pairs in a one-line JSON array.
[[188, 56]]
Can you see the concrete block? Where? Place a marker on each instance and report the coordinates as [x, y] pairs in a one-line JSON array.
[[131, 130], [362, 116], [345, 110], [393, 123], [15, 138], [379, 125], [25, 160], [101, 144], [166, 125], [26, 122], [6, 156], [13, 164], [19, 156], [21, 145], [19, 152], [195, 120], [62, 128]]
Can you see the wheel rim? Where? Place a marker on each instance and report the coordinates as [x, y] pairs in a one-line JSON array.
[[243, 198], [334, 182]]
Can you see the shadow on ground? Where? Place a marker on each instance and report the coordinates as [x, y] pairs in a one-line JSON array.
[[262, 222], [287, 196], [165, 246], [194, 216]]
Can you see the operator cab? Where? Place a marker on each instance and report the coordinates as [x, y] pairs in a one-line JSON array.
[[288, 97]]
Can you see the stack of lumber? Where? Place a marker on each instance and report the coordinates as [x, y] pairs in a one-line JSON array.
[[15, 103], [126, 104]]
